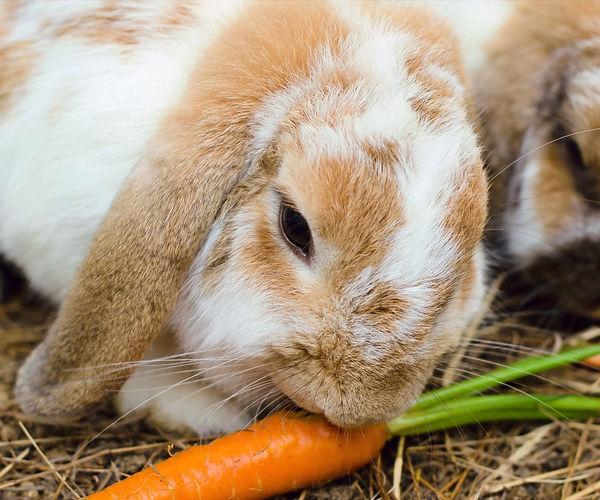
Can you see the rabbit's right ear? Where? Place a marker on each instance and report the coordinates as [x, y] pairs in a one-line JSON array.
[[128, 282], [539, 142]]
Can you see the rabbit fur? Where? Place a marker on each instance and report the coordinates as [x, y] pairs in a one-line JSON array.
[[147, 153], [538, 94]]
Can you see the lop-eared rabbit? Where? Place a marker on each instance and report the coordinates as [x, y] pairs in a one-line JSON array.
[[238, 204]]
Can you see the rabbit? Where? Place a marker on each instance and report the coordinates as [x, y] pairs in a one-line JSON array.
[[538, 95], [239, 205]]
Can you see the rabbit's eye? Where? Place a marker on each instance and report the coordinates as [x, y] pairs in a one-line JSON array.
[[295, 230], [585, 181], [572, 154]]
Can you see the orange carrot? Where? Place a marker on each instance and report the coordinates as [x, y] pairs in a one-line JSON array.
[[278, 454], [593, 360]]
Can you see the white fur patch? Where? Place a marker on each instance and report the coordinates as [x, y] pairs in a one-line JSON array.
[[84, 120], [475, 22], [178, 396]]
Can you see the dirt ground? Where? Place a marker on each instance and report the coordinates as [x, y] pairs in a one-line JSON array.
[[505, 460]]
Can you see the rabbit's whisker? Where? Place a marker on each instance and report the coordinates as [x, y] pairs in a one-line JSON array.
[[565, 136], [172, 359], [196, 364]]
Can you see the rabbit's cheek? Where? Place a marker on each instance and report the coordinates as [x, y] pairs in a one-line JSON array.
[[546, 205]]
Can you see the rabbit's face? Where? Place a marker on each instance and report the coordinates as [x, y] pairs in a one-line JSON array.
[[351, 267], [553, 206]]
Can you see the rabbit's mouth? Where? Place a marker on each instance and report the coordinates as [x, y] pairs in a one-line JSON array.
[[361, 397]]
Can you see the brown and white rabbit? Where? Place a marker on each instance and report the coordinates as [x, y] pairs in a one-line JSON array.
[[539, 96], [273, 198]]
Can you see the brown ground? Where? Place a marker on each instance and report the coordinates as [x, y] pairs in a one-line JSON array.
[[511, 460]]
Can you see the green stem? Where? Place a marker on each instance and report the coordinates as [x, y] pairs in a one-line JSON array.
[[496, 407], [517, 370], [487, 416]]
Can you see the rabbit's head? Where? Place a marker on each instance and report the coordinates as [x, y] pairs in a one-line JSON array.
[[539, 93], [313, 208]]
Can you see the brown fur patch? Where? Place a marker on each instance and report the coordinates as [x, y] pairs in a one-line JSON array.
[[553, 192], [263, 257], [335, 103], [108, 24], [432, 104], [126, 25], [16, 62], [467, 209], [468, 276], [582, 117], [385, 153], [345, 205], [179, 15], [383, 307], [354, 207], [466, 217], [436, 35], [16, 58], [8, 14]]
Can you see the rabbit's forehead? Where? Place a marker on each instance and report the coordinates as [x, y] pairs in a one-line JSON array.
[[417, 197], [351, 207]]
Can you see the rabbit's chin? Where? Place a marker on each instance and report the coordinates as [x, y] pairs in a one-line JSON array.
[[357, 417], [353, 396]]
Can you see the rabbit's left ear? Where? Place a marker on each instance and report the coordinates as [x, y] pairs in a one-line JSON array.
[[129, 280]]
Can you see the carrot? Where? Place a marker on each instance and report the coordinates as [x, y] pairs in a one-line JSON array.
[[289, 451], [593, 361], [283, 452]]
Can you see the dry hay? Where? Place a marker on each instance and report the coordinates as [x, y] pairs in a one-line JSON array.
[[511, 460]]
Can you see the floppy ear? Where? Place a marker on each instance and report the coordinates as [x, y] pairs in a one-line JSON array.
[[128, 282], [544, 125]]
